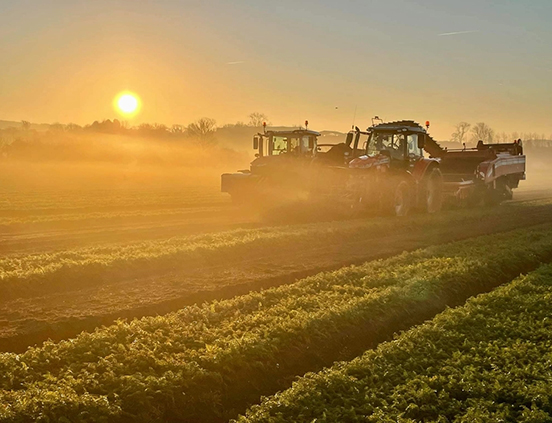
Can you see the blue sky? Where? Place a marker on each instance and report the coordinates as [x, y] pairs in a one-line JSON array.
[[294, 60]]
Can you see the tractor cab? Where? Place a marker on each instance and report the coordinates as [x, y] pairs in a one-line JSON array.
[[402, 142], [299, 142], [283, 152]]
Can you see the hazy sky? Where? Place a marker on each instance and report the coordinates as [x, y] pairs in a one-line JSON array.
[[446, 61]]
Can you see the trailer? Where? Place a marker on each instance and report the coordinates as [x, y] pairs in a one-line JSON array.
[[487, 173]]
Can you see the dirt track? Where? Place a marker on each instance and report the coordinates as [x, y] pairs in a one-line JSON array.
[[27, 321]]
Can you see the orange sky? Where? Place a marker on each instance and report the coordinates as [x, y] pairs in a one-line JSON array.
[[65, 61]]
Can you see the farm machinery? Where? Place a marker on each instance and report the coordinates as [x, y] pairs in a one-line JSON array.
[[280, 170], [391, 174], [384, 169]]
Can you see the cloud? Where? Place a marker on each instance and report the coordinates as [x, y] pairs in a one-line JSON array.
[[446, 34], [239, 62]]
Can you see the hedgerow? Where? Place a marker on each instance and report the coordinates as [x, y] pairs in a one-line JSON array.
[[206, 363], [490, 360]]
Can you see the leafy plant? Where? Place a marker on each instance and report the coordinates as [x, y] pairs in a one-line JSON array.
[[207, 363], [486, 361]]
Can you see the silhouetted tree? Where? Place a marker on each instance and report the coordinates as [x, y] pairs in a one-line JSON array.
[[56, 127], [177, 129], [73, 127], [203, 131], [482, 131], [460, 132], [257, 119], [26, 125]]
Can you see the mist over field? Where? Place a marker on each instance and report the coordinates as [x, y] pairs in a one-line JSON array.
[[109, 155]]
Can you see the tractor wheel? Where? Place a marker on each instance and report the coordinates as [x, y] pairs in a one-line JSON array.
[[497, 194], [402, 201], [433, 192]]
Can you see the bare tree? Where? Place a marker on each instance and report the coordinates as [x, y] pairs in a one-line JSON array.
[[257, 119], [203, 131], [73, 127], [26, 125], [461, 130], [502, 137], [56, 127], [482, 131], [177, 129]]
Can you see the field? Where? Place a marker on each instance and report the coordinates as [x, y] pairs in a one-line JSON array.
[[224, 307]]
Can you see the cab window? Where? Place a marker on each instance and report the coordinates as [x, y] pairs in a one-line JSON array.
[[412, 143], [279, 145], [393, 143]]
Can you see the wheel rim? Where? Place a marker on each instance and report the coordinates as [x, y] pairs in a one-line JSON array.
[[434, 196], [401, 201]]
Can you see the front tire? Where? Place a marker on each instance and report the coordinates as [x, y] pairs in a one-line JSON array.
[[402, 200], [433, 192]]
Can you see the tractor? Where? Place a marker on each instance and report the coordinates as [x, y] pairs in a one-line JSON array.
[[390, 173], [280, 170]]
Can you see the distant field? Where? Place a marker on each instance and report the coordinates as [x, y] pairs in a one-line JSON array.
[[54, 270], [44, 202]]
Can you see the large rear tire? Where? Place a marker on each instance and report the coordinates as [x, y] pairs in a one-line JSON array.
[[433, 192], [494, 195]]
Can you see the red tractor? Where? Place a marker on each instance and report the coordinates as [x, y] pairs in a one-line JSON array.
[[394, 172], [389, 172]]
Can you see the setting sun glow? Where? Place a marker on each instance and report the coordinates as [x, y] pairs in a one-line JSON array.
[[127, 103]]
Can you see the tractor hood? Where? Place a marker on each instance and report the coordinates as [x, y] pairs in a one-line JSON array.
[[280, 163], [367, 162], [275, 160]]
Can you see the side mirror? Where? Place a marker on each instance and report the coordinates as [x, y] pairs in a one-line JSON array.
[[421, 141], [255, 143], [349, 139], [311, 143]]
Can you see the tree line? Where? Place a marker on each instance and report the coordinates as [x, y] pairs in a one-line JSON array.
[[202, 131], [465, 132]]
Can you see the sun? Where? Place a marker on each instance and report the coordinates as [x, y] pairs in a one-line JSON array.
[[127, 103]]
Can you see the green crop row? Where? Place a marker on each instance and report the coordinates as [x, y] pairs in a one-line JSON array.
[[94, 265], [207, 363], [17, 203], [105, 218], [489, 361]]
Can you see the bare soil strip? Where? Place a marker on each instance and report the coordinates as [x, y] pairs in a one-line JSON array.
[[31, 320]]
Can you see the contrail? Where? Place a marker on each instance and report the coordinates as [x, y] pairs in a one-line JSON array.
[[446, 34], [235, 63]]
